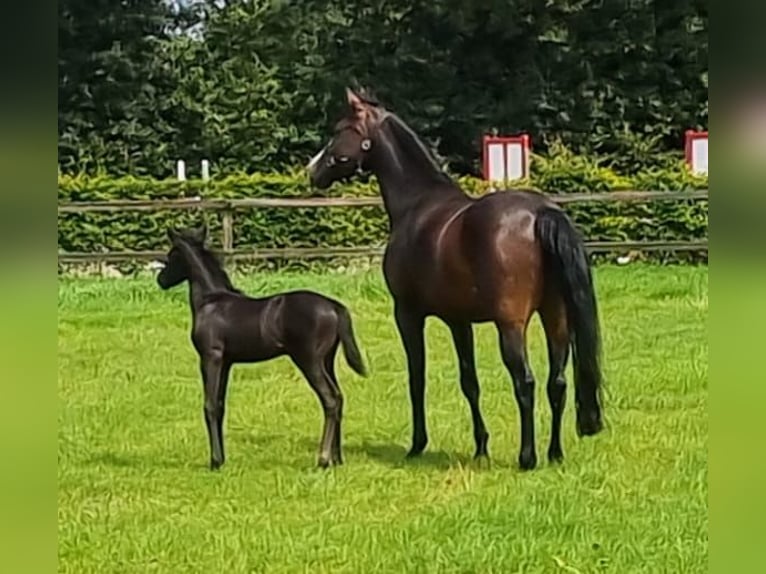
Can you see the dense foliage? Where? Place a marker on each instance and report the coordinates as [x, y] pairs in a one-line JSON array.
[[253, 84], [563, 172]]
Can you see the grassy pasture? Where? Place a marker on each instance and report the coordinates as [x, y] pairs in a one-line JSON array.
[[135, 494]]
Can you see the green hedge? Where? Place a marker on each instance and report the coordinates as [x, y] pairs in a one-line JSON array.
[[562, 172]]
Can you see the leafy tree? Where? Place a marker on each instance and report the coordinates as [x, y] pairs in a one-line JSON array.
[[254, 84], [107, 85]]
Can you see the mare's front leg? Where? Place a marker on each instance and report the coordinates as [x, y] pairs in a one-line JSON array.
[[212, 367], [462, 335], [410, 324]]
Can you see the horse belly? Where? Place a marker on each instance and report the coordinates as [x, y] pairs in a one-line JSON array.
[[435, 280], [457, 296], [251, 342], [251, 354]]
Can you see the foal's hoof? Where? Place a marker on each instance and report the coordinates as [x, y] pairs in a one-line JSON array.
[[323, 462], [555, 456], [527, 461], [216, 464], [481, 460]]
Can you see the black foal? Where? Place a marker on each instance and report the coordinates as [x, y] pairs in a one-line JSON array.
[[229, 327]]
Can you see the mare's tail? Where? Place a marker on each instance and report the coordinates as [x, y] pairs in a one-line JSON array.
[[350, 348], [566, 257]]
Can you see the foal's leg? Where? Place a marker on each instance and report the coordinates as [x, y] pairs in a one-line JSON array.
[[223, 383], [462, 335], [332, 405], [513, 349], [329, 365], [211, 367], [557, 336], [410, 325]]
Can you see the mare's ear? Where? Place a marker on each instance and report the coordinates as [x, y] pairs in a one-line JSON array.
[[355, 102], [199, 233]]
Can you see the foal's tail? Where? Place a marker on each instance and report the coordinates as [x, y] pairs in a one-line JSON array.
[[566, 257], [350, 348]]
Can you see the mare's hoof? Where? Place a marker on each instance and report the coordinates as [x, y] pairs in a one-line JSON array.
[[323, 463], [481, 445], [527, 461], [588, 425], [216, 464], [417, 449]]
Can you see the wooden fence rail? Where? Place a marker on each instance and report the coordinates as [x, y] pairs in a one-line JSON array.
[[228, 206], [288, 202]]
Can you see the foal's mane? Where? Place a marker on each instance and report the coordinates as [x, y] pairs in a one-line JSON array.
[[210, 262]]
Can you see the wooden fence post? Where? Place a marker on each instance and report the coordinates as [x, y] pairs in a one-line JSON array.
[[228, 231]]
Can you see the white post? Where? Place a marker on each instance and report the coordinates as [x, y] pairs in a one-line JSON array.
[[205, 170], [181, 170]]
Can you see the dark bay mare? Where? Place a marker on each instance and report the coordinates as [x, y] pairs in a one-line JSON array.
[[500, 258], [229, 327]]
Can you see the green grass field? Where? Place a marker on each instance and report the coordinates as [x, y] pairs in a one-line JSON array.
[[135, 493]]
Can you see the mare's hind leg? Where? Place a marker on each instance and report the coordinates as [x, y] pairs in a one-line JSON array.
[[329, 365], [513, 349], [553, 316], [332, 404], [462, 335]]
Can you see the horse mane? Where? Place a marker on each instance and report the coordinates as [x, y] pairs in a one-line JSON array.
[[212, 264], [412, 147]]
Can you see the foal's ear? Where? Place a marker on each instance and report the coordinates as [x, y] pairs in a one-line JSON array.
[[173, 234], [199, 233]]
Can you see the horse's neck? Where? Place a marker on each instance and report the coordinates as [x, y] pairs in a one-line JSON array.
[[203, 281], [197, 292], [408, 177]]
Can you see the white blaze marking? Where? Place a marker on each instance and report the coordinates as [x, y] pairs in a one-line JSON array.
[[315, 159]]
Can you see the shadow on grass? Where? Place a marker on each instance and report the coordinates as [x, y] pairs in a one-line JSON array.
[[392, 455], [396, 456], [262, 450]]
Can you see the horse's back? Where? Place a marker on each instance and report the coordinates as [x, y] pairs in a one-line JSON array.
[[238, 326], [308, 315], [507, 200], [248, 329]]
